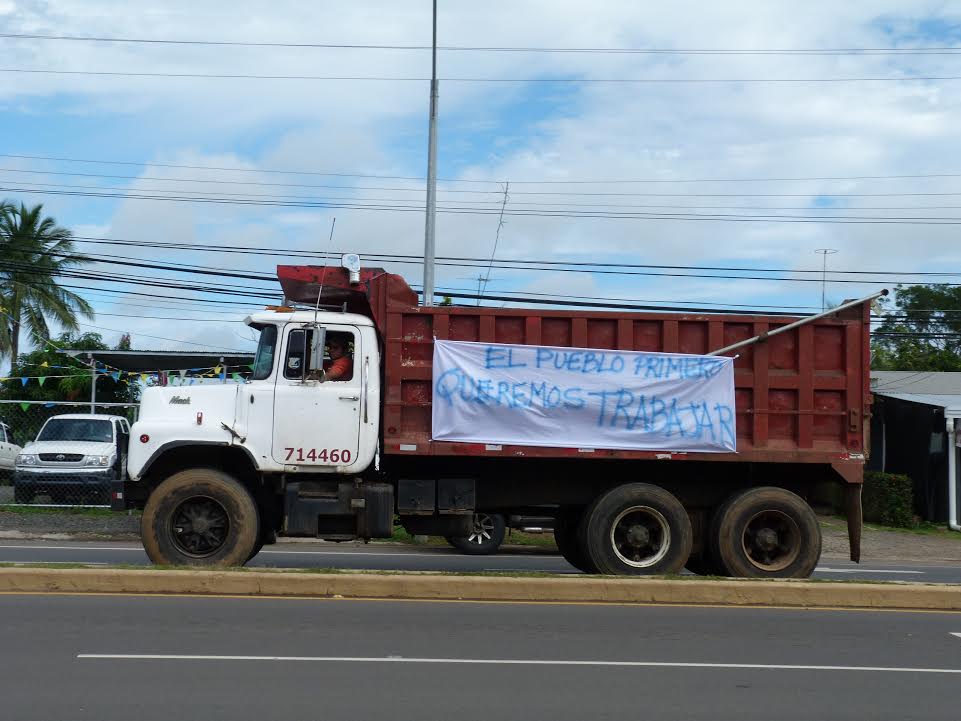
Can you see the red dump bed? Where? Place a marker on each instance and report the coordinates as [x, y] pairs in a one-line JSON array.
[[801, 397]]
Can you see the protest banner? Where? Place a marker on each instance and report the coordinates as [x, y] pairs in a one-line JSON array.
[[582, 398]]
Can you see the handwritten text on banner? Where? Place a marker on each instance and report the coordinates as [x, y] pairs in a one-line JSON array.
[[582, 398]]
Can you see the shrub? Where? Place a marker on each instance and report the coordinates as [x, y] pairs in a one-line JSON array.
[[888, 499]]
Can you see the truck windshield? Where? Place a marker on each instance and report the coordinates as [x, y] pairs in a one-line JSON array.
[[77, 429], [264, 360]]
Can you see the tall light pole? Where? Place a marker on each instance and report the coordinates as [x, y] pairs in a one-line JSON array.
[[429, 225], [824, 252]]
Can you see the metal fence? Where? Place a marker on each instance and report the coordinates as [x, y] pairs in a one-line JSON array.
[[62, 454]]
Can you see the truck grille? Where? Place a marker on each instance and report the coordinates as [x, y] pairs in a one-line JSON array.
[[61, 457]]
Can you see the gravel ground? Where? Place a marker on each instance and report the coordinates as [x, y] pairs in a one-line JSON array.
[[890, 545], [877, 545], [74, 526]]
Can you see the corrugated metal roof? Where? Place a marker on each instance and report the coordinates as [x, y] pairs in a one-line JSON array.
[[150, 361], [916, 382], [950, 402]]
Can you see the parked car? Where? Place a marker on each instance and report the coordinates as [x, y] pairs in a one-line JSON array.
[[8, 451], [489, 529], [74, 459]]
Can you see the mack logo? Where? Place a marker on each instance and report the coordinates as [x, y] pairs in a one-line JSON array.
[[181, 400]]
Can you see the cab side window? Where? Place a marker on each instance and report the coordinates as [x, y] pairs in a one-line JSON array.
[[338, 362], [339, 357], [297, 360]]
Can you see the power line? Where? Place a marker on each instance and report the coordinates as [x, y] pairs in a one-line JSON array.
[[539, 80], [420, 189], [929, 50], [463, 180], [519, 212], [518, 264], [542, 205]]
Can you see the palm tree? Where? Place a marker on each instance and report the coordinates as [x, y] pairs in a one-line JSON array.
[[34, 251]]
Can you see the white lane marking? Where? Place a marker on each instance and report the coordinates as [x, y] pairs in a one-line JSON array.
[[862, 570], [509, 662], [956, 634]]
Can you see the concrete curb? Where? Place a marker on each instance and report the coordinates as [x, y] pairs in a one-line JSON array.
[[420, 586]]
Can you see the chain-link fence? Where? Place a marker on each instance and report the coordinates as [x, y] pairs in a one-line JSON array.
[[62, 454]]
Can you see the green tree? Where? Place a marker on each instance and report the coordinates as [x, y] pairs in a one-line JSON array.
[[922, 332], [34, 252]]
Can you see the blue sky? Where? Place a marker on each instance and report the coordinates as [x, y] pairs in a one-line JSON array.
[[532, 134]]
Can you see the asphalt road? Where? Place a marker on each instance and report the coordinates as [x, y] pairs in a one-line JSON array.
[[385, 557], [113, 658]]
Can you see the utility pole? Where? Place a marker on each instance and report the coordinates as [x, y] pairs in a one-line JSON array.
[[824, 252], [429, 225]]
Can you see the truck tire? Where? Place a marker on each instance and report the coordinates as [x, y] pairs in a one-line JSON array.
[[200, 517], [637, 529], [767, 532], [566, 529], [485, 538]]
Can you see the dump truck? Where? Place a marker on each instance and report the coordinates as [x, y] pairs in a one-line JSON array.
[[339, 433]]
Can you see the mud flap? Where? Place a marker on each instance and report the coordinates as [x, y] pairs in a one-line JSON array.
[[855, 520], [118, 501]]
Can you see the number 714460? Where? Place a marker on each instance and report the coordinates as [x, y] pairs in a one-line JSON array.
[[318, 455]]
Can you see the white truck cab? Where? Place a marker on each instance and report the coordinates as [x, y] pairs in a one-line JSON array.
[[220, 468], [290, 417]]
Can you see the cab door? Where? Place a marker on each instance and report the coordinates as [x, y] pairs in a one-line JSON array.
[[316, 422]]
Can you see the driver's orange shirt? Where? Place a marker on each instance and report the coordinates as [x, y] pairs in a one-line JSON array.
[[341, 369]]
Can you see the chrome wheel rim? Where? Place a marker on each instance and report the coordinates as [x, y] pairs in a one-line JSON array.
[[483, 529], [640, 536]]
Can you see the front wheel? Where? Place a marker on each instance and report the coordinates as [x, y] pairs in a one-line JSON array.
[[200, 517], [486, 536]]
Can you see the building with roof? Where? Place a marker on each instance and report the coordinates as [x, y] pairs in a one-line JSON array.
[[915, 430]]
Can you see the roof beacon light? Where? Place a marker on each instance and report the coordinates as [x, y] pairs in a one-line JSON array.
[[351, 261]]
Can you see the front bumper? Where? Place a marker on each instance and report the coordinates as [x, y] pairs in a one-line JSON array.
[[40, 480]]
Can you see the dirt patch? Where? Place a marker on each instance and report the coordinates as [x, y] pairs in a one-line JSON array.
[[889, 545]]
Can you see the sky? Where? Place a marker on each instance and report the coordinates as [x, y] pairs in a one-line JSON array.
[[691, 134]]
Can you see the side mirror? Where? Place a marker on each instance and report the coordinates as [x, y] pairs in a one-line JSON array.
[[317, 349]]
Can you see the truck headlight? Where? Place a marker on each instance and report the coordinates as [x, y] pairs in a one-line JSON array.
[[98, 460], [26, 459]]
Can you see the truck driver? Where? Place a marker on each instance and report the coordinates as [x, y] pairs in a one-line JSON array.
[[339, 366]]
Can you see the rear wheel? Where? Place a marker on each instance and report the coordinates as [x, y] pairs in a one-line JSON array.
[[637, 529], [200, 517], [486, 536], [566, 529], [767, 533]]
